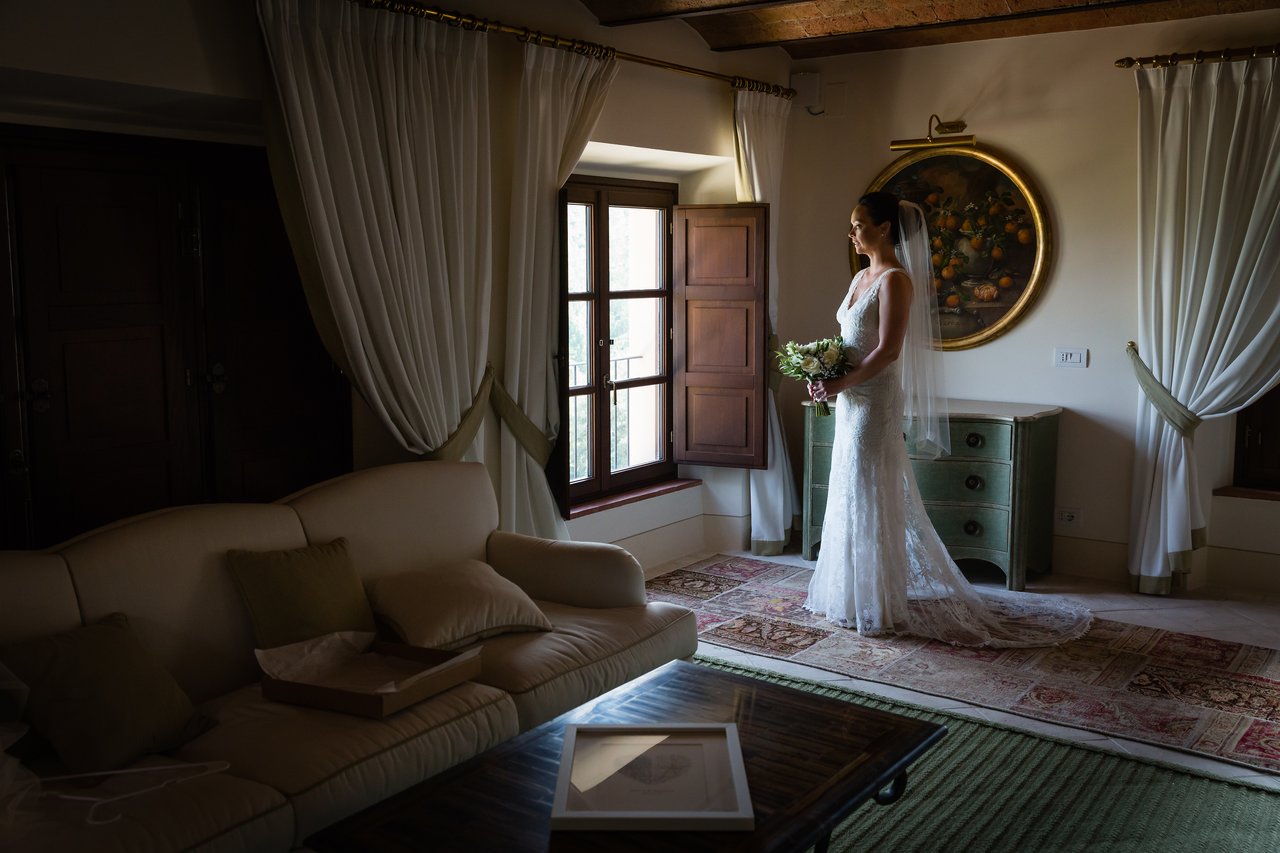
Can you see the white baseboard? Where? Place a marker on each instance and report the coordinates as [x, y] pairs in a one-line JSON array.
[[666, 543], [727, 532], [1091, 558], [1230, 568]]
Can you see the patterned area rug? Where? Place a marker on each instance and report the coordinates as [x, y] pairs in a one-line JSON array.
[[1175, 690]]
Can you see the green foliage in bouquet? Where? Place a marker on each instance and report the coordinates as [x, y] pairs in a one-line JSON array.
[[821, 359]]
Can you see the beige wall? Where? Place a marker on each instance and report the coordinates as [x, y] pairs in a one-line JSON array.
[[1056, 105]]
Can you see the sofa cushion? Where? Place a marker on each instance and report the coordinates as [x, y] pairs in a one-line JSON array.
[[300, 593], [36, 596], [98, 695], [403, 517], [168, 571], [589, 651], [209, 813], [331, 765], [454, 605]]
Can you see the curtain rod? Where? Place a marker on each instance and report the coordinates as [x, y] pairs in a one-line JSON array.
[[1234, 54], [586, 48]]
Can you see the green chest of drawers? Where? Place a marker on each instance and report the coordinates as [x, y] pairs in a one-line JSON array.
[[991, 499]]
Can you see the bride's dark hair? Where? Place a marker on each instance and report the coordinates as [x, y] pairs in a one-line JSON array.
[[883, 207]]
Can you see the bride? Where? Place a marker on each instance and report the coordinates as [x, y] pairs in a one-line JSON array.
[[882, 568]]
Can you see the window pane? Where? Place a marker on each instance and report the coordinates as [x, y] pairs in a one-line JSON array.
[[635, 248], [636, 432], [579, 344], [579, 437], [638, 332], [578, 252]]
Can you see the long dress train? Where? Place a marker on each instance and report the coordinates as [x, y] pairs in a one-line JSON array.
[[882, 568]]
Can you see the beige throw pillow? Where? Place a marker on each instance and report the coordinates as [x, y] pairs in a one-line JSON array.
[[454, 605], [100, 697], [300, 593]]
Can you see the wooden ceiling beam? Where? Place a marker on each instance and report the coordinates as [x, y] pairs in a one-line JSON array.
[[841, 28], [619, 13]]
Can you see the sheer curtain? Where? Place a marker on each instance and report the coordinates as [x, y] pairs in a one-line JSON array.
[[1209, 278], [561, 95], [386, 119], [760, 128]]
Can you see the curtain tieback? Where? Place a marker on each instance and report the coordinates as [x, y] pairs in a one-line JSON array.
[[491, 391], [465, 433], [531, 438], [1177, 415]]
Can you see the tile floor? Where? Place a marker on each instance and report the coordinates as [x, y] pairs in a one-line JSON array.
[[1245, 617]]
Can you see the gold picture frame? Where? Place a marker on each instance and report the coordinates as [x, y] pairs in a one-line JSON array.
[[990, 238]]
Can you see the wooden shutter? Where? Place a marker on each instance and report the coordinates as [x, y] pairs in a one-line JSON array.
[[1258, 456], [721, 263]]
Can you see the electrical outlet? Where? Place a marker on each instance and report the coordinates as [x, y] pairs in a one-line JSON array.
[[1067, 516]]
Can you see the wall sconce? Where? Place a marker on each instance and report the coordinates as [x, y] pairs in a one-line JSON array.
[[936, 125]]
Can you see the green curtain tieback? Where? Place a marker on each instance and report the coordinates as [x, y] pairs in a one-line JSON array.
[[1177, 415], [491, 391]]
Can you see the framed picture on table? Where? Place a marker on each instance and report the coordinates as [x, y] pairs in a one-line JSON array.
[[988, 233], [652, 777]]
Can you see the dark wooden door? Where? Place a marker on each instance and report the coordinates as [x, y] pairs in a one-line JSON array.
[[279, 411], [102, 286], [157, 346], [720, 276]]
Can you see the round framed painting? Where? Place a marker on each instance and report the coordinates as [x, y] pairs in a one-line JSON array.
[[990, 238]]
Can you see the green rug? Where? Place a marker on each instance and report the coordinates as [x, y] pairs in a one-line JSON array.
[[987, 787]]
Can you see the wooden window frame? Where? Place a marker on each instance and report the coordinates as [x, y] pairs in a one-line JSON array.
[[600, 194]]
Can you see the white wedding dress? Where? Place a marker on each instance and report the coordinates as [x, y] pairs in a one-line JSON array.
[[882, 568]]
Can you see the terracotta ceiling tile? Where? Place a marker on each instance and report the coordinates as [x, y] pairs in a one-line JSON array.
[[786, 12], [834, 26]]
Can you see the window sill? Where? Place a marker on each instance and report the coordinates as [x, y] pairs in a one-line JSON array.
[[1243, 492], [633, 496]]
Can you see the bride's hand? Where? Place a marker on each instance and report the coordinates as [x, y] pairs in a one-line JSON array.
[[818, 391]]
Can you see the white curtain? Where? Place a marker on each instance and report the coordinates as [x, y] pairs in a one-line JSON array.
[[561, 95], [387, 119], [760, 129], [1209, 279]]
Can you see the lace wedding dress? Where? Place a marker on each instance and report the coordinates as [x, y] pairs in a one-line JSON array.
[[882, 567]]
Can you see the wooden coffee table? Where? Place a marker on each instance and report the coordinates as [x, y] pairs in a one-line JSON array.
[[810, 761]]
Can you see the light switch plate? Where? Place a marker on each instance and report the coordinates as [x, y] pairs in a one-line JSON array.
[[1070, 357]]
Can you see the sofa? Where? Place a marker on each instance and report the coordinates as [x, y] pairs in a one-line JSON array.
[[291, 770]]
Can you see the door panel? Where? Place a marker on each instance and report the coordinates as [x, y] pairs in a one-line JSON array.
[[101, 278]]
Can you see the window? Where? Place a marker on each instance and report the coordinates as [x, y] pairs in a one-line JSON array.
[[616, 410]]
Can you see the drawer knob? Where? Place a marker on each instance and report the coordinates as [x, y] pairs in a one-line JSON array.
[[973, 528], [974, 439], [973, 482]]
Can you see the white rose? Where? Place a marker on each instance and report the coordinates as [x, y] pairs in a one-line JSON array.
[[810, 364], [832, 356]]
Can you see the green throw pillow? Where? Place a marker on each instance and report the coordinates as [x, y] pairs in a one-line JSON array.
[[302, 593], [99, 696]]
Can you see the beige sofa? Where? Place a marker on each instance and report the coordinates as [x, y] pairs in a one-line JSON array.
[[294, 770]]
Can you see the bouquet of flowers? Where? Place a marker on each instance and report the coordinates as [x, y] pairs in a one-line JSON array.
[[821, 359]]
